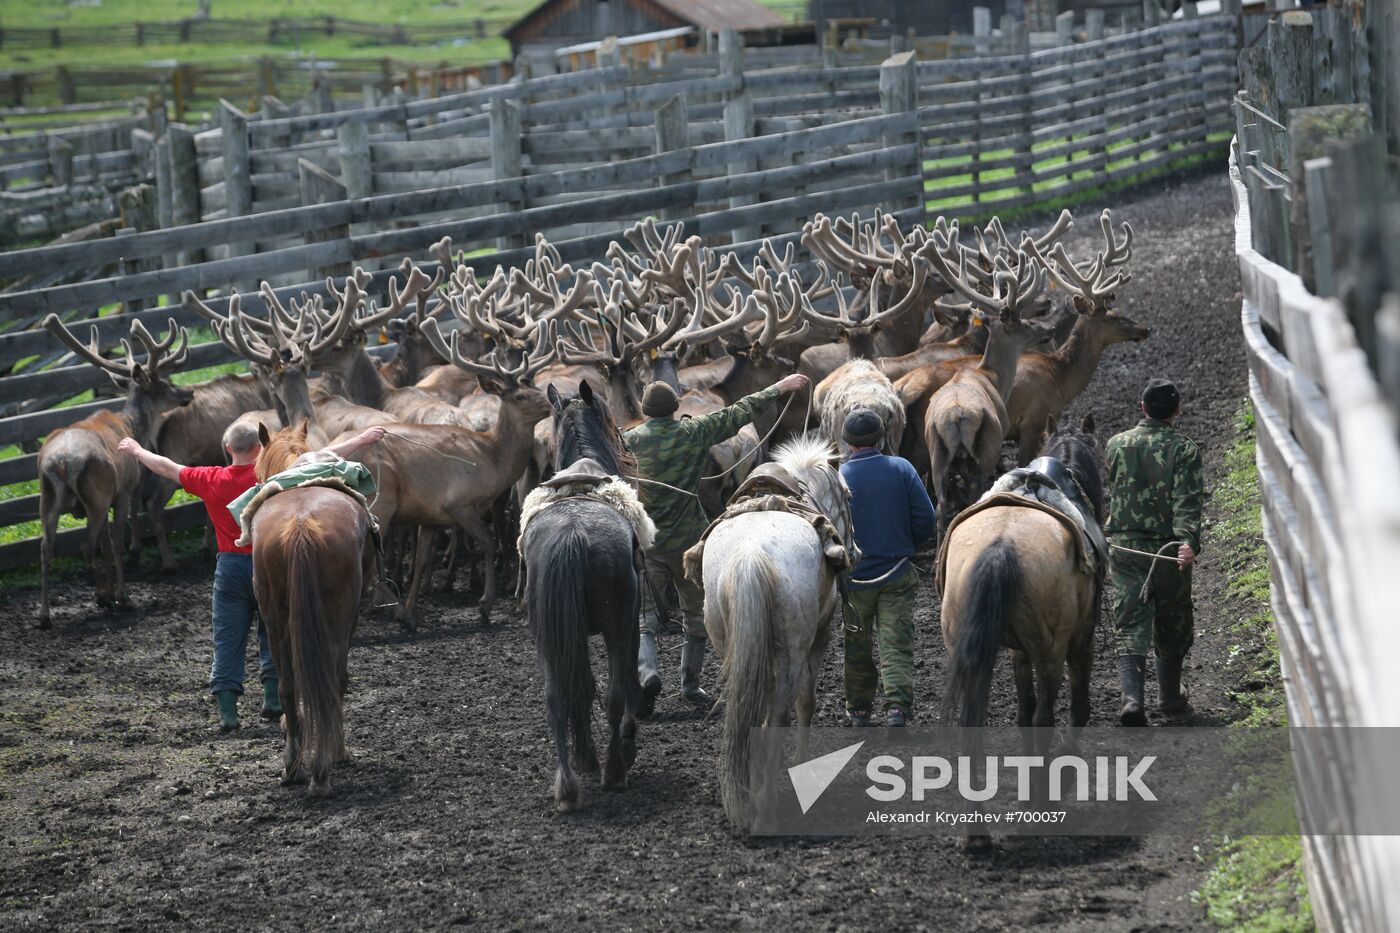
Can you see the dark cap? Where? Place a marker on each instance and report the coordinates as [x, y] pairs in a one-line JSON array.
[[863, 428], [1161, 399], [659, 400]]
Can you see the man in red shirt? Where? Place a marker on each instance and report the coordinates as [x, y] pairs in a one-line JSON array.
[[234, 602]]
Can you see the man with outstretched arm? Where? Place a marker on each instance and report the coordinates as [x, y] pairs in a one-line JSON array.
[[1154, 499], [234, 603], [892, 515], [671, 456]]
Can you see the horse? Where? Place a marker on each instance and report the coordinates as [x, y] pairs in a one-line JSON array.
[[580, 545], [770, 595], [1013, 575], [310, 558]]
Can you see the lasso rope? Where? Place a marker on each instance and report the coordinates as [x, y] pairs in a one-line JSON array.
[[1157, 557]]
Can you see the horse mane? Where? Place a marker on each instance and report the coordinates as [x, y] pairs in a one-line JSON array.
[[803, 453], [585, 428], [281, 449], [1079, 450]]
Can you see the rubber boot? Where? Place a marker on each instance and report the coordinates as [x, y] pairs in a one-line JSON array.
[[648, 674], [272, 700], [228, 709], [692, 659], [1171, 699], [1132, 670]]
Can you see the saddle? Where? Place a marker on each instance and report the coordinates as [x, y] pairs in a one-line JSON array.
[[1047, 485], [585, 472], [771, 488]]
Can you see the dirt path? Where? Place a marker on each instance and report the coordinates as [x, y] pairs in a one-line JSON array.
[[120, 806]]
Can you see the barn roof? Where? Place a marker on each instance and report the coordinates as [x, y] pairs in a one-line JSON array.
[[703, 14]]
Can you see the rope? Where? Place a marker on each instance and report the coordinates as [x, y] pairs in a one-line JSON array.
[[1155, 558], [761, 441]]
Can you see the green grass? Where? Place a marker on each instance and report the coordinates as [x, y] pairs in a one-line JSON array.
[[1256, 883]]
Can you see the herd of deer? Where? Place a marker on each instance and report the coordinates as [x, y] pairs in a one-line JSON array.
[[961, 347]]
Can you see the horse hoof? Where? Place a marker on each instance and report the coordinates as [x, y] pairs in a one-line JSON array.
[[566, 806], [292, 780]]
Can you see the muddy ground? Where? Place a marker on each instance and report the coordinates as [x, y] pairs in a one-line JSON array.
[[121, 806]]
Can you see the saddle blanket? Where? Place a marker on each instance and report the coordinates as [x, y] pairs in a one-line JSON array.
[[316, 468], [837, 555], [616, 494]]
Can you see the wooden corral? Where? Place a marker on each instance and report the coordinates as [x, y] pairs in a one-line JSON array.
[[1321, 319]]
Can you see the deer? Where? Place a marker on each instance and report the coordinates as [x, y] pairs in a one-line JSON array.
[[444, 475], [1047, 382], [966, 419], [80, 469]]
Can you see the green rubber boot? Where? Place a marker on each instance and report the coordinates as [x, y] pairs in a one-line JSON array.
[[228, 709], [272, 700]]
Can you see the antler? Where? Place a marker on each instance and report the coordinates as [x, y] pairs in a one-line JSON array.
[[537, 356], [1095, 282], [158, 353], [1012, 285]]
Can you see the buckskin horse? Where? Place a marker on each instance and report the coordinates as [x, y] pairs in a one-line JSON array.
[[309, 561], [1019, 572], [582, 532]]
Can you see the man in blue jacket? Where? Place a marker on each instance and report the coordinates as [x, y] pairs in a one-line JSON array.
[[892, 515]]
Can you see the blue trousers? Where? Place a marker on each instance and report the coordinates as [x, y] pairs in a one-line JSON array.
[[235, 607]]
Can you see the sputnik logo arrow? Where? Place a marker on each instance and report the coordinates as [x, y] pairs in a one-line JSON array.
[[811, 778]]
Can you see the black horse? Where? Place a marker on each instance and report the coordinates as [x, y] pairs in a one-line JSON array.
[[583, 578]]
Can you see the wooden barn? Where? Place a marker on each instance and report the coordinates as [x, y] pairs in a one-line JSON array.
[[925, 17], [558, 23]]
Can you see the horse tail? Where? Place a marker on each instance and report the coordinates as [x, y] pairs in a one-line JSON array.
[[745, 600], [559, 623], [994, 584], [314, 665]]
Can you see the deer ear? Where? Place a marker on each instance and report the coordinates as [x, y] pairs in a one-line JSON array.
[[1081, 305], [1088, 425], [305, 426], [585, 391], [263, 437], [681, 348]]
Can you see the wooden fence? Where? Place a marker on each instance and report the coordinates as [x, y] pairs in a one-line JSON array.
[[1319, 255], [844, 167], [279, 30]]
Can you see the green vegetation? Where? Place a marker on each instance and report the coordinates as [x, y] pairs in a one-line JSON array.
[[1256, 883]]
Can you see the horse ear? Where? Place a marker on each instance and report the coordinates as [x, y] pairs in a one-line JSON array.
[[555, 401], [1051, 424], [305, 427], [1088, 425], [585, 391], [263, 437]]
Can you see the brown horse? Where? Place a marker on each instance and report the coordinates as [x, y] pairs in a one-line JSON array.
[[310, 557], [1015, 575]]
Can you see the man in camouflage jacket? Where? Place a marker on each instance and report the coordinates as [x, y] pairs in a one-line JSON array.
[[1155, 492], [671, 457]]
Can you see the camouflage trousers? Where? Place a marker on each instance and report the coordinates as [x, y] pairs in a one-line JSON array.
[[661, 570], [883, 618], [1165, 617]]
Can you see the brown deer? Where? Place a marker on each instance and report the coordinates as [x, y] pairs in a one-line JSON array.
[[80, 470], [1047, 382], [966, 419]]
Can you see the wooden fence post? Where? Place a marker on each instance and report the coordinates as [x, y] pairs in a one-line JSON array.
[[320, 187], [672, 134], [1311, 130], [67, 90], [138, 214], [506, 160], [738, 122], [184, 187], [160, 157], [1320, 278], [238, 180], [1361, 266], [1064, 29], [1291, 56], [899, 93], [982, 29], [60, 161], [1093, 24], [355, 170]]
